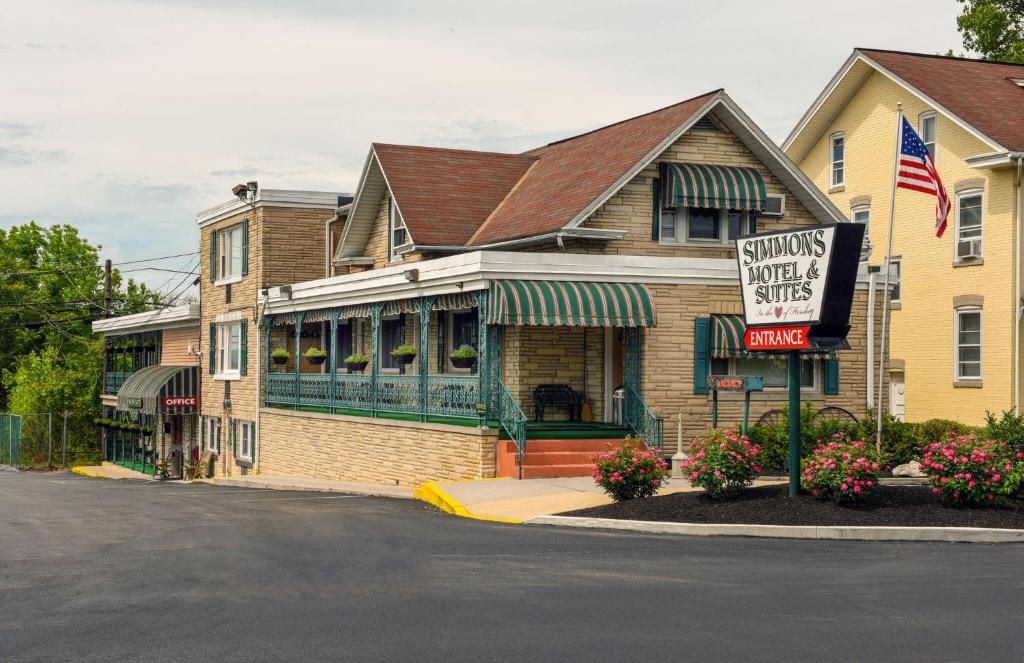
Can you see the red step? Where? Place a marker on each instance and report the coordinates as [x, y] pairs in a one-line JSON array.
[[595, 446], [556, 471], [551, 458]]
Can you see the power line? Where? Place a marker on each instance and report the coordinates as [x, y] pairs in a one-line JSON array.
[[71, 268]]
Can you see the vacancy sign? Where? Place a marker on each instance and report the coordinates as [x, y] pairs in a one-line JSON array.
[[777, 338], [783, 276]]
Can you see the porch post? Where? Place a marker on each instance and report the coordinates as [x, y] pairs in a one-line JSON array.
[[334, 356], [265, 371], [298, 355], [426, 306], [482, 357], [375, 310]]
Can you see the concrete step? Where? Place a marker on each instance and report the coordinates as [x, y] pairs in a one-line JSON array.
[[556, 471], [593, 445], [560, 457]]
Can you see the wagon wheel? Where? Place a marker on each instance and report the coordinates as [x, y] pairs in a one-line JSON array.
[[770, 418], [834, 414]]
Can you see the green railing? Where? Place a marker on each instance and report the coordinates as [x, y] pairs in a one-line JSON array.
[[645, 424], [513, 421], [455, 396], [112, 380]]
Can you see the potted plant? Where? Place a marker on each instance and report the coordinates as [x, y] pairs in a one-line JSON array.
[[316, 356], [146, 431], [464, 357], [357, 362], [280, 356], [404, 354]]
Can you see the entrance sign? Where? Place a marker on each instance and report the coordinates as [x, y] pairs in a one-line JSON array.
[[777, 338]]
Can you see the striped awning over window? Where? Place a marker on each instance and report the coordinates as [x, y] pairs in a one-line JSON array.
[[727, 336], [705, 185], [570, 303], [168, 389]]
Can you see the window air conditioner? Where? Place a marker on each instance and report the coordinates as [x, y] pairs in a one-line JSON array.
[[775, 204], [968, 249]]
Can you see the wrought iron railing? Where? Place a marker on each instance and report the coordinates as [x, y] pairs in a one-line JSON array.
[[645, 424], [513, 420], [112, 381]]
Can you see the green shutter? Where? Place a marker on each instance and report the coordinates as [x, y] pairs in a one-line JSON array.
[[701, 355], [245, 247], [213, 348], [831, 377], [243, 360], [655, 209], [213, 255], [752, 227]]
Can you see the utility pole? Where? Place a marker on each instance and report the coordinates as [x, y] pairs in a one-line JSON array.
[[107, 296]]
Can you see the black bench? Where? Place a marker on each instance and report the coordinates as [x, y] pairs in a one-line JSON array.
[[558, 395]]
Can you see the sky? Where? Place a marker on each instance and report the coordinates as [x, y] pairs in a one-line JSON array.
[[126, 118]]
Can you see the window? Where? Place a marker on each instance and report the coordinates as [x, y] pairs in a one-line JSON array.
[[344, 344], [399, 234], [230, 251], [229, 348], [699, 225], [863, 215], [926, 128], [774, 371], [245, 432], [968, 215], [837, 150], [462, 330], [392, 334], [968, 344], [894, 296], [211, 434]]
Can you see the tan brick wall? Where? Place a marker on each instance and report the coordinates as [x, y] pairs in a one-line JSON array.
[[373, 450]]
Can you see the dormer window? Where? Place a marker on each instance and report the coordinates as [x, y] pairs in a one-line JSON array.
[[399, 236]]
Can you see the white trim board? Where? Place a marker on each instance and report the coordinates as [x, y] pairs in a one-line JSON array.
[[178, 316], [271, 198]]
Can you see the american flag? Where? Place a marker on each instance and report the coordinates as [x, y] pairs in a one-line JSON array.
[[917, 172]]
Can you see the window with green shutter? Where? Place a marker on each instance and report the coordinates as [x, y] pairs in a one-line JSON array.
[[243, 366], [656, 209], [701, 355], [213, 255], [213, 348], [831, 377], [245, 247]]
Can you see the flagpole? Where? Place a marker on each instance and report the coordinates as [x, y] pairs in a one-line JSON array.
[[888, 262]]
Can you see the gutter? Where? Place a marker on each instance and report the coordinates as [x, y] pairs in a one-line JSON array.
[[1017, 287], [573, 233], [872, 286], [259, 387]]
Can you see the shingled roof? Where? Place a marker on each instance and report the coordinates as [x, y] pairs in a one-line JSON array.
[[983, 94]]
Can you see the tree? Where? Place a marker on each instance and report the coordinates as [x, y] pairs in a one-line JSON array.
[[993, 28]]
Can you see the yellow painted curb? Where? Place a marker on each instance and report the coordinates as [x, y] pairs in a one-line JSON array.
[[431, 493], [86, 473]]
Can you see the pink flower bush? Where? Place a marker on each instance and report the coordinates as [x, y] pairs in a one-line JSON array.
[[629, 470], [840, 471], [722, 462], [965, 470]]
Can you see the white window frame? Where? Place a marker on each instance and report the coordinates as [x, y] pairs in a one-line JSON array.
[[211, 434], [815, 387], [863, 209], [956, 343], [380, 346], [681, 228], [246, 432], [224, 371], [970, 193], [834, 165], [896, 298], [396, 222], [922, 118], [226, 272]]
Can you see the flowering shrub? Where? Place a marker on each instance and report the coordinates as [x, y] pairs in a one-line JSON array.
[[629, 470], [965, 470], [840, 471], [722, 462]]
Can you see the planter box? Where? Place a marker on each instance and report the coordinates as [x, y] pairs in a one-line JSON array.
[[463, 362], [316, 361], [357, 366], [405, 360]]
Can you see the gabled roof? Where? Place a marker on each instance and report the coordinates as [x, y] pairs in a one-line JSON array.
[[444, 195], [980, 95]]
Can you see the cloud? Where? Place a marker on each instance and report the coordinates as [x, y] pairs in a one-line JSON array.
[[16, 130], [17, 156], [488, 134]]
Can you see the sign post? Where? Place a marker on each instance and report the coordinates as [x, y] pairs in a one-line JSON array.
[[744, 383], [797, 288]]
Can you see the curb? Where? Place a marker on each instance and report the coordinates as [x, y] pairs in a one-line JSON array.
[[86, 473], [299, 488], [845, 533], [431, 493]]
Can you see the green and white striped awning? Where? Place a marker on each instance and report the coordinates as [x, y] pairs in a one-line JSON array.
[[169, 389], [719, 187], [727, 336], [570, 303]]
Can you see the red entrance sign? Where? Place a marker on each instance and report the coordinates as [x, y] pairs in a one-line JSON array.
[[777, 338], [180, 401]]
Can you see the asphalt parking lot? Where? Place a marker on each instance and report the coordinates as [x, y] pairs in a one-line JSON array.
[[103, 570]]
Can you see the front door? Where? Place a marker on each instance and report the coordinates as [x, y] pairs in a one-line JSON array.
[[175, 456], [614, 376]]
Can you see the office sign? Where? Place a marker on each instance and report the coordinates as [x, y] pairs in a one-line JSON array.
[[735, 382], [181, 401]]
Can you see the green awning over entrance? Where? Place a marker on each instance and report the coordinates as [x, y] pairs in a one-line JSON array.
[[570, 304], [727, 336], [718, 187], [168, 389]]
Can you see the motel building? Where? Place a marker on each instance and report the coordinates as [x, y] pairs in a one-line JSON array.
[[150, 393], [476, 314]]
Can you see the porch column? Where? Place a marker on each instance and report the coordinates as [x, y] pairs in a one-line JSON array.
[[375, 310], [334, 356], [426, 306], [298, 355], [482, 357], [265, 370]]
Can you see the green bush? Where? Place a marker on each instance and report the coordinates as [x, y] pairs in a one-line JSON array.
[[314, 352], [774, 439], [404, 351], [464, 352], [1009, 428], [279, 353]]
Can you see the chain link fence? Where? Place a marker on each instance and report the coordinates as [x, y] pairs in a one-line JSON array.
[[10, 440], [48, 440]]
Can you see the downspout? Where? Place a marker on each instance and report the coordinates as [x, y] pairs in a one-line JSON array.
[[1017, 291], [872, 286], [259, 386]]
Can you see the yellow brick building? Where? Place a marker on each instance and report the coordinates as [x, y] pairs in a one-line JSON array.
[[955, 318]]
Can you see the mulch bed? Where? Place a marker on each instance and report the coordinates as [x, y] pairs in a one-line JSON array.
[[891, 506]]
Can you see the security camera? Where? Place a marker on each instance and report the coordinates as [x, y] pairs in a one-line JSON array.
[[240, 191]]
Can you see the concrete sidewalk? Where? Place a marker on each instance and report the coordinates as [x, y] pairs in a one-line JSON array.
[[110, 471], [284, 482]]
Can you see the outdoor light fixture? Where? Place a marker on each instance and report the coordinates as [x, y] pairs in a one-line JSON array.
[[412, 275], [246, 192]]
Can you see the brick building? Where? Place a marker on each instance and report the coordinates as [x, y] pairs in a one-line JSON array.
[[539, 303]]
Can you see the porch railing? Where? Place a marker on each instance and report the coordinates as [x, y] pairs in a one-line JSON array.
[[645, 424], [112, 381], [513, 421], [455, 396]]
